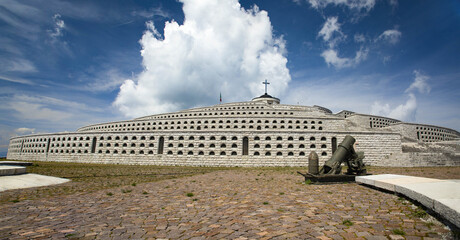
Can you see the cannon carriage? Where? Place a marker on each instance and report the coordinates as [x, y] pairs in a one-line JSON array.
[[331, 171]]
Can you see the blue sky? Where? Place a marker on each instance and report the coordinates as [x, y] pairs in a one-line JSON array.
[[65, 64]]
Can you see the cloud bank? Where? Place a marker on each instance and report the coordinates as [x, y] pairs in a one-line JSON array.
[[220, 47]]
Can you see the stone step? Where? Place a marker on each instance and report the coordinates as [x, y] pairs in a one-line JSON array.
[[440, 196], [12, 170]]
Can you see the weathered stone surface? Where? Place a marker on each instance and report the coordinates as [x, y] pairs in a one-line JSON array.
[[243, 204], [441, 196], [28, 181], [12, 170]]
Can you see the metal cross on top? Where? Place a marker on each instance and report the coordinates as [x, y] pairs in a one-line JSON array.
[[266, 83]]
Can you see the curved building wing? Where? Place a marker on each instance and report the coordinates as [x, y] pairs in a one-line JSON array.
[[261, 132]]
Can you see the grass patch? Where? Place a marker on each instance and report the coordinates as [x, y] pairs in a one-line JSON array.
[[308, 182], [70, 235], [429, 224], [189, 194], [347, 223], [281, 193], [398, 231], [419, 212], [145, 192], [109, 194], [265, 203]]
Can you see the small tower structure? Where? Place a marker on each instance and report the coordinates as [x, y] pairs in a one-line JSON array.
[[266, 98]]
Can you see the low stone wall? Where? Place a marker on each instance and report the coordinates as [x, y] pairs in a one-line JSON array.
[[421, 159]]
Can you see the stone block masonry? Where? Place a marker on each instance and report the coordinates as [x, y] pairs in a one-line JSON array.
[[204, 149], [261, 132]]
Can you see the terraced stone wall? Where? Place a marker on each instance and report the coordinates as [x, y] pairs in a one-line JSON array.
[[425, 133], [236, 123], [198, 149]]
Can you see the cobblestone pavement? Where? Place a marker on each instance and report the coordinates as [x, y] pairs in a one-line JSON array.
[[236, 204]]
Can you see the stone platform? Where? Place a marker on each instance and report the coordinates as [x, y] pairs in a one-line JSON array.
[[27, 181], [12, 170], [440, 196], [13, 175]]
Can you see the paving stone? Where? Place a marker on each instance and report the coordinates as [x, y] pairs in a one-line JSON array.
[[230, 206], [376, 238], [396, 237]]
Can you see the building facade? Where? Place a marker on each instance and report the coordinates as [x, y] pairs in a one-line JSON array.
[[261, 132]]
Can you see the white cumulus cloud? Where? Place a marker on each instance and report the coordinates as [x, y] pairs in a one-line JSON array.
[[331, 58], [420, 83], [391, 36], [330, 32], [332, 35], [220, 47]]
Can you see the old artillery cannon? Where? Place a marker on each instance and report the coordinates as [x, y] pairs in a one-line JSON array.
[[332, 168]]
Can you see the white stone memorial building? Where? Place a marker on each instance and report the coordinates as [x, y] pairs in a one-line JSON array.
[[261, 132]]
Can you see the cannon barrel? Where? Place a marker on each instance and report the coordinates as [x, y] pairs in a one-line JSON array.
[[343, 152]]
